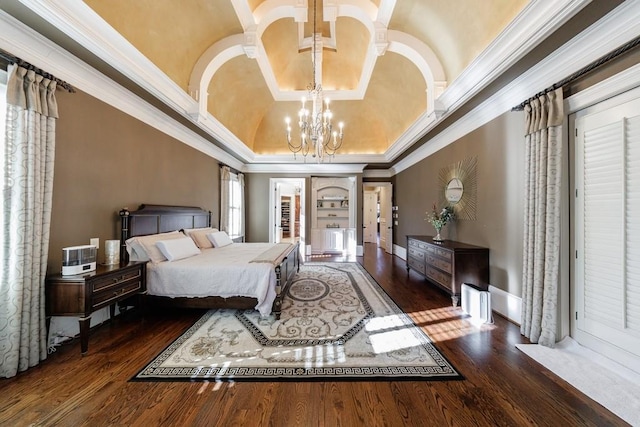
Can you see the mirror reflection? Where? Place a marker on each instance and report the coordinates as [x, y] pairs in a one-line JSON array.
[[454, 190]]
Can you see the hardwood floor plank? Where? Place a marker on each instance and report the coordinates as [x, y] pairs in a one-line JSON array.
[[501, 385]]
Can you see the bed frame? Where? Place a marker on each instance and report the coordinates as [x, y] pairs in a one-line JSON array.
[[154, 219]]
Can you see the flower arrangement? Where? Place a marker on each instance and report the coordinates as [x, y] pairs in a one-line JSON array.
[[440, 219]]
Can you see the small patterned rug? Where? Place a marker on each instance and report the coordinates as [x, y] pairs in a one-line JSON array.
[[337, 323]]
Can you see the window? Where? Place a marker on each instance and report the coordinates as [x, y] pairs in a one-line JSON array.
[[234, 227]]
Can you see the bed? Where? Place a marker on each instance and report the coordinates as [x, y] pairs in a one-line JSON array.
[[238, 275]]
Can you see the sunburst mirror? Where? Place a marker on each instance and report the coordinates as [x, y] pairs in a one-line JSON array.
[[458, 183]]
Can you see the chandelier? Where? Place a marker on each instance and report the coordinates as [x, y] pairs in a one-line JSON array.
[[316, 130]]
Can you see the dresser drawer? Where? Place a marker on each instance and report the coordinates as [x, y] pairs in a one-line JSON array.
[[114, 280], [416, 264], [416, 253], [439, 263], [438, 276], [115, 293], [443, 253], [418, 244]]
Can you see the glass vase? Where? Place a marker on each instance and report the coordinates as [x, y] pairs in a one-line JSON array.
[[437, 237]]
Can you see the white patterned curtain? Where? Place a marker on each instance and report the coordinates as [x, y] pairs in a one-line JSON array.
[[225, 178], [242, 210], [26, 213], [541, 257]]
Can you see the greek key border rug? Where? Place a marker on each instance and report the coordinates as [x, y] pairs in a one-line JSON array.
[[337, 323]]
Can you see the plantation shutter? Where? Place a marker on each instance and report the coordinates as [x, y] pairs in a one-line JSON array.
[[608, 226], [632, 169]]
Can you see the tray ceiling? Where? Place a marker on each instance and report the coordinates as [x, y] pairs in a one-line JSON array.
[[247, 62]]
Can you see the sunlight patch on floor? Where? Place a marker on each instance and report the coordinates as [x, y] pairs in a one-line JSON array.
[[447, 323], [400, 339], [386, 322]]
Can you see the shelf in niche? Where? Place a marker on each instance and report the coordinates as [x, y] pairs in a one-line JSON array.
[[333, 217], [333, 209]]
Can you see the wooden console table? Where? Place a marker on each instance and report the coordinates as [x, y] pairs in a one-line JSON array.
[[448, 264], [82, 294]]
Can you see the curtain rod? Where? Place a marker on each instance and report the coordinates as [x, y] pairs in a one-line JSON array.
[[22, 63], [581, 72]]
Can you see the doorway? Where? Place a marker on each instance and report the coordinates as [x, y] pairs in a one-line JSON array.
[[377, 214], [287, 211]]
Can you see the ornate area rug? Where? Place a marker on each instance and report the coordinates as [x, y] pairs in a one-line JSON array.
[[336, 324]]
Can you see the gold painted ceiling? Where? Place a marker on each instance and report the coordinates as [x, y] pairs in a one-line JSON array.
[[371, 63]]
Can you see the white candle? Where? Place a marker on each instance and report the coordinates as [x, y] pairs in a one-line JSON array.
[[112, 252]]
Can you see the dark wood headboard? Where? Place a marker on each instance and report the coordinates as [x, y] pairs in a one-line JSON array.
[[154, 219]]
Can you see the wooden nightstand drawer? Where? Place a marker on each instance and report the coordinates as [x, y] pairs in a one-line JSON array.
[[115, 294], [114, 280]]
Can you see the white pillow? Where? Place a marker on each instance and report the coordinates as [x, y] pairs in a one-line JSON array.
[[148, 244], [199, 236], [135, 250], [219, 239], [176, 249]]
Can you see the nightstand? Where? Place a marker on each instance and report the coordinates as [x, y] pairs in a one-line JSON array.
[[82, 294]]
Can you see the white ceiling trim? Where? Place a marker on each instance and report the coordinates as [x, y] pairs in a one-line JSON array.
[[534, 24], [83, 25], [207, 65], [86, 27], [530, 27], [620, 26], [17, 38], [304, 168]]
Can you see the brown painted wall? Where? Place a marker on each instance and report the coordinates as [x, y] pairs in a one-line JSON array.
[[499, 148], [106, 160]]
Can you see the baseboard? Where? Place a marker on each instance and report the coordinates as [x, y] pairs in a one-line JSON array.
[[400, 252], [505, 304]]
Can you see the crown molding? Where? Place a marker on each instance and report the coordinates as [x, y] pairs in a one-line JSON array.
[[33, 47], [377, 173], [533, 25], [621, 25], [622, 82], [292, 159], [529, 28], [304, 168]]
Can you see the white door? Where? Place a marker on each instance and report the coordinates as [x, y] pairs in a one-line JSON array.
[[277, 214], [606, 303], [386, 210], [370, 217]]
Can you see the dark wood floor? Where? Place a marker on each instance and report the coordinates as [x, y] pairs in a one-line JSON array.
[[501, 387]]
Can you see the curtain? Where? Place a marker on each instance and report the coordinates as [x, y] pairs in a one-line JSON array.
[[541, 255], [26, 213], [241, 181], [225, 178]]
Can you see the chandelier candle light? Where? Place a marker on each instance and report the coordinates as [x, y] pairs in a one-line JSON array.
[[316, 129]]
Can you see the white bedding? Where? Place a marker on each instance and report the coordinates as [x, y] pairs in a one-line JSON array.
[[224, 272]]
